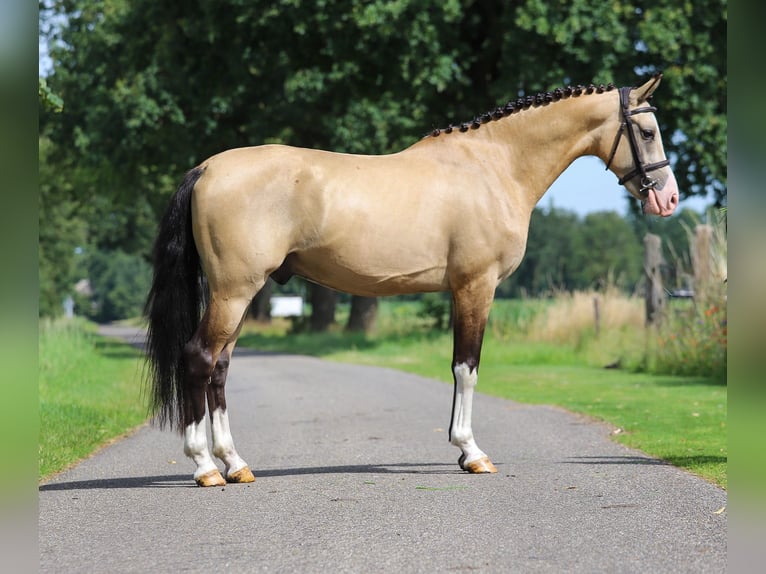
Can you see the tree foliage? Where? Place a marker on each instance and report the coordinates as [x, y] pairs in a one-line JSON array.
[[565, 252], [119, 282], [47, 97], [152, 87], [63, 230]]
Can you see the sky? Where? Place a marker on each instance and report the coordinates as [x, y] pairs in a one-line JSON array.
[[586, 187]]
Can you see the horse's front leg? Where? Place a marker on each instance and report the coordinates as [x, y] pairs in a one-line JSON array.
[[472, 304], [236, 469]]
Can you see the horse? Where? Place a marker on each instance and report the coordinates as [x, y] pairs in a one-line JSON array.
[[449, 213]]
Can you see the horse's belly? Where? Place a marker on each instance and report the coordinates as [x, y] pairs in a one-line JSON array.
[[371, 275]]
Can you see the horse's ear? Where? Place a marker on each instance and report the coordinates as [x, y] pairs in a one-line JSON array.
[[642, 93]]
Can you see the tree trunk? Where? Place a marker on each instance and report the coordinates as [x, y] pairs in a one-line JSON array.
[[322, 308], [364, 314], [655, 294], [260, 307]]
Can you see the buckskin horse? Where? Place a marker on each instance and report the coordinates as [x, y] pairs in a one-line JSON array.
[[449, 213]]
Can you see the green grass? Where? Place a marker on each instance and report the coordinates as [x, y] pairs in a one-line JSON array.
[[680, 419], [89, 393]]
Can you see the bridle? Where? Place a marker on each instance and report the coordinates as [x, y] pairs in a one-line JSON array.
[[627, 126]]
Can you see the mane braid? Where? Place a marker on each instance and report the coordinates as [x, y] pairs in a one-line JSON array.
[[524, 103]]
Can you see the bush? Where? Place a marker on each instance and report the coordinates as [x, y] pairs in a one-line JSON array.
[[692, 341], [436, 308]]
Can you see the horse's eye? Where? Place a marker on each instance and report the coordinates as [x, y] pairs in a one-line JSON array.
[[647, 134]]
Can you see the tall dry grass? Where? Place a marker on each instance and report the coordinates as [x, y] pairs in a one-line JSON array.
[[575, 315], [605, 326]]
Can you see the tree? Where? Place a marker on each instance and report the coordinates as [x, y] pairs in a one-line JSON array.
[[260, 307], [551, 258], [609, 251], [323, 302], [119, 281], [62, 233], [363, 315]]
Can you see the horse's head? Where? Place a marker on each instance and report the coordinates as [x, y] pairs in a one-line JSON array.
[[637, 156]]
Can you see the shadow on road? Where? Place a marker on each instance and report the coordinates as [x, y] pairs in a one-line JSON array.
[[167, 481], [400, 468], [185, 480], [436, 468]]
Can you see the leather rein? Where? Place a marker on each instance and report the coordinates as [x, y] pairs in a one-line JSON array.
[[627, 126]]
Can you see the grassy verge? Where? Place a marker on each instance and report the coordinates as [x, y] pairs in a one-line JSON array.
[[679, 419], [89, 393]]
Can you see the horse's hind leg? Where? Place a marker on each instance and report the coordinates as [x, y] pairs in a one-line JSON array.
[[472, 304], [236, 469], [203, 367]]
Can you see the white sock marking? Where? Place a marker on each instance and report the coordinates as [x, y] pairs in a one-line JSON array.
[[223, 443], [195, 447], [461, 433]]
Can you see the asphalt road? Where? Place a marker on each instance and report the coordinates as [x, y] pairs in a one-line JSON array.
[[354, 473]]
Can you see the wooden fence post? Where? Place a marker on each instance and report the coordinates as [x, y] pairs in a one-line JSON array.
[[596, 316], [655, 293], [701, 255]]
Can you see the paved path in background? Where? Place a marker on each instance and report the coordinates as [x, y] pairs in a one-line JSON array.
[[354, 474]]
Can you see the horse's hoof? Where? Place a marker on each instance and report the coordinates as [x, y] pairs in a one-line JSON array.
[[479, 466], [240, 476], [212, 478]]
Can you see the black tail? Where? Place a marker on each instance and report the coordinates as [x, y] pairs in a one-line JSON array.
[[173, 304]]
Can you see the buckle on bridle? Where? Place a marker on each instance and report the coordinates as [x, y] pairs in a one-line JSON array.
[[647, 183]]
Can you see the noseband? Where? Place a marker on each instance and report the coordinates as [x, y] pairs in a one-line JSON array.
[[627, 126]]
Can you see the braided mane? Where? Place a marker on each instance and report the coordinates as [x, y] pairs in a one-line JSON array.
[[524, 103]]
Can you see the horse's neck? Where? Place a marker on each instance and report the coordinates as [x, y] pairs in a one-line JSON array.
[[540, 143]]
